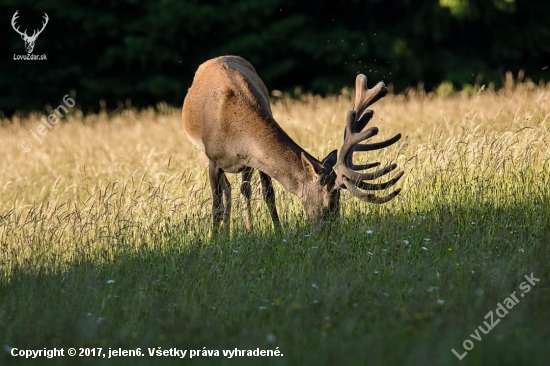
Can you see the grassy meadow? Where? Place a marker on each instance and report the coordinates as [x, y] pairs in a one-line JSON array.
[[105, 240]]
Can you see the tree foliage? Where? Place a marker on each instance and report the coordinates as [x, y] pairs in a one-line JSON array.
[[148, 51]]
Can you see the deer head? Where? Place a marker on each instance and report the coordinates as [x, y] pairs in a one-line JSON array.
[[322, 192], [29, 40]]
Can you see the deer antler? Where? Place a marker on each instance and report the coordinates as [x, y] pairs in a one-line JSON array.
[[356, 120], [35, 33], [43, 26], [13, 20]]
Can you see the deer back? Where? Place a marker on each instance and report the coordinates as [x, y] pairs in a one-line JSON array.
[[227, 115]]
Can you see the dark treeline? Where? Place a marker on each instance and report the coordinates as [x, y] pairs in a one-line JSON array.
[[147, 51]]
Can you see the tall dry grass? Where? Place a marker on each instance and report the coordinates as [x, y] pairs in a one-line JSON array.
[[108, 178]]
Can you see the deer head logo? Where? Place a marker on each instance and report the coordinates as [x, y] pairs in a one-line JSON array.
[[29, 40]]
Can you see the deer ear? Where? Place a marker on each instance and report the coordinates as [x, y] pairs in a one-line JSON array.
[[330, 159], [309, 168]]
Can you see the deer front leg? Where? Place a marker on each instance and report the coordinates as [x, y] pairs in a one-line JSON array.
[[246, 192], [217, 186], [268, 194], [226, 189]]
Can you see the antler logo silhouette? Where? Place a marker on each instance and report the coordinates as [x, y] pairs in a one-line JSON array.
[[29, 41]]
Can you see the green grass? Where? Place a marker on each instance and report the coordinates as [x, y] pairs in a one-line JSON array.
[[95, 252], [347, 297]]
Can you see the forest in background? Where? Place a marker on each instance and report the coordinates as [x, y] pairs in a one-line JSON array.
[[127, 52]]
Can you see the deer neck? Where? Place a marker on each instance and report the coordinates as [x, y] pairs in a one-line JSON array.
[[281, 160]]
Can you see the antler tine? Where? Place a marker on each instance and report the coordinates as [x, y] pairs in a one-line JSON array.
[[378, 186], [377, 145], [360, 166], [354, 176], [369, 197], [365, 97], [13, 21], [45, 16]]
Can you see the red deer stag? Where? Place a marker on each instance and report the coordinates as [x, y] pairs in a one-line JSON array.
[[226, 114]]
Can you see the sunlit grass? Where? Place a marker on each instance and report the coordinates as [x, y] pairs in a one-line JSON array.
[[124, 197]]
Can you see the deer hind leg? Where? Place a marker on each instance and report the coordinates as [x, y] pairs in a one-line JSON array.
[[246, 193], [268, 194], [221, 196]]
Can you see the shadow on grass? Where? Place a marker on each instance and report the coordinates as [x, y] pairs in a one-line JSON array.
[[398, 289]]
